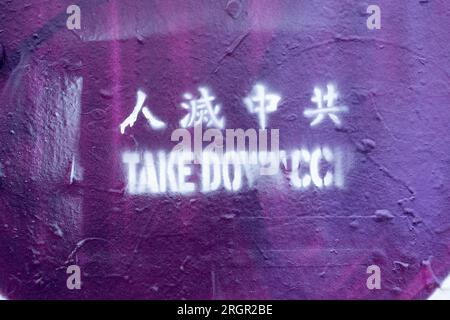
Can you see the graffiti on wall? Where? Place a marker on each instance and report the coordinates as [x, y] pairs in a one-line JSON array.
[[237, 159]]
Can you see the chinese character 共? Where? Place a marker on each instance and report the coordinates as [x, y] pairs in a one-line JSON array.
[[331, 110]]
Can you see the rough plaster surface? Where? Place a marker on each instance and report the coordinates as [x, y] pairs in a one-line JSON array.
[[266, 242]]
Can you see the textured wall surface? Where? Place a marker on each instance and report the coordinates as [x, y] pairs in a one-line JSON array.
[[64, 94]]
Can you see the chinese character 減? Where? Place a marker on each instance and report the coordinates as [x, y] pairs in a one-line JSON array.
[[201, 110]]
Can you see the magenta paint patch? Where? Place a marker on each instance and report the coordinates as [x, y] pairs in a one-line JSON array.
[[374, 186]]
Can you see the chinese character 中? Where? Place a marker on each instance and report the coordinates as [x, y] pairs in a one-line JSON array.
[[262, 103], [201, 110], [154, 122], [331, 110]]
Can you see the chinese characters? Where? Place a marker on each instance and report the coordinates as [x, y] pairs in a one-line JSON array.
[[154, 122], [203, 108], [331, 110], [262, 103], [191, 166]]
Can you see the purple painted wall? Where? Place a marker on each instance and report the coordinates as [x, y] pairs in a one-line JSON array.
[[264, 242]]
